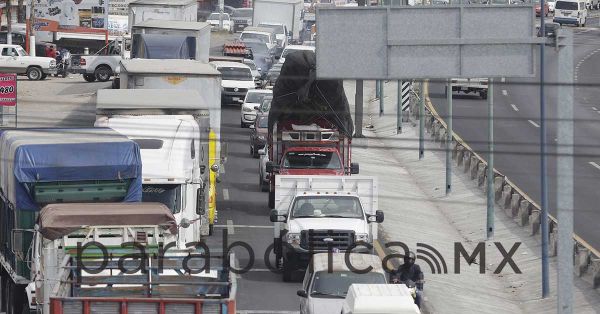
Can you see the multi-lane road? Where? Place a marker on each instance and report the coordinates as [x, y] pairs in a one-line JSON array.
[[517, 129]]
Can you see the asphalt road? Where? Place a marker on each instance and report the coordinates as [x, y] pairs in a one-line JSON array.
[[517, 127]]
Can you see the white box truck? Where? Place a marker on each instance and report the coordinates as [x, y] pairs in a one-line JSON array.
[[195, 36], [166, 10], [316, 214], [288, 12]]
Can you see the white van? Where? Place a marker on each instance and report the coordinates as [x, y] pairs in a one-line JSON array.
[[379, 299], [570, 12]]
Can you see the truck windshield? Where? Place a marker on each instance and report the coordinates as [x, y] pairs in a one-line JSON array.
[[277, 28], [255, 98], [167, 194], [336, 284], [236, 74], [311, 160], [565, 5], [323, 206], [21, 52]]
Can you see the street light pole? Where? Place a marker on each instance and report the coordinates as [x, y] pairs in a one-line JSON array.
[[543, 166]]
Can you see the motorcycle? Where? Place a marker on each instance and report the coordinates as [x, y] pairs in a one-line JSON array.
[[62, 64]]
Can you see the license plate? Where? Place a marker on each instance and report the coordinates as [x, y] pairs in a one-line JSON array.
[[236, 99]]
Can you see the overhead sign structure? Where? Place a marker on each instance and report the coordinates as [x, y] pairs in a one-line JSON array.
[[414, 42], [51, 15]]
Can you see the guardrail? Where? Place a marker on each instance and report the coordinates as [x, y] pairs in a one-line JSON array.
[[512, 200]]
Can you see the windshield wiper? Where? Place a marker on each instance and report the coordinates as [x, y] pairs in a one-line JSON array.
[[327, 294]]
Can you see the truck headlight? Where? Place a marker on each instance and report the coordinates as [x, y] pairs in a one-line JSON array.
[[293, 238], [361, 237]]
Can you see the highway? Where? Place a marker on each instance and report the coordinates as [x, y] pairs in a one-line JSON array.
[[517, 127]]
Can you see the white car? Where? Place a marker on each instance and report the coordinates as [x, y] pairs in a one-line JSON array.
[[293, 48], [253, 99], [14, 59], [213, 20], [236, 81], [551, 5]]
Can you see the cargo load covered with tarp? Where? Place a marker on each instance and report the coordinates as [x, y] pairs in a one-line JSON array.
[[58, 220], [159, 46], [300, 98], [41, 166]]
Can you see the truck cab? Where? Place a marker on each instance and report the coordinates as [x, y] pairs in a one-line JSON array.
[[316, 214], [379, 298], [329, 280], [308, 150]]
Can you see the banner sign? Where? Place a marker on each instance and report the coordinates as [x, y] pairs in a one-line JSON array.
[[53, 14], [8, 89]]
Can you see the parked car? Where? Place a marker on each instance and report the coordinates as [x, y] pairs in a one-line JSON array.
[[258, 136], [213, 20], [251, 104], [242, 18], [14, 59], [263, 175], [263, 56]]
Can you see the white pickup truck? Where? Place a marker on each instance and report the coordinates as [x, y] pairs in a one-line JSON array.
[[14, 59], [102, 66], [322, 213]]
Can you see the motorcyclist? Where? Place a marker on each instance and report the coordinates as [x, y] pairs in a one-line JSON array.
[[409, 272]]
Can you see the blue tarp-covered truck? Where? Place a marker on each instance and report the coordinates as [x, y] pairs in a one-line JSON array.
[[46, 166]]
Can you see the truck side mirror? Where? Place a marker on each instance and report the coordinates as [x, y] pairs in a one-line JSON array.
[[275, 217], [200, 209], [354, 169], [17, 240], [302, 293], [379, 216]]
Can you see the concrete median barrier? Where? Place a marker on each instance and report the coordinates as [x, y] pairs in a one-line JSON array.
[[466, 161], [481, 174], [474, 166], [534, 222], [523, 214], [595, 268], [582, 260], [498, 187], [507, 192], [553, 242], [512, 210]]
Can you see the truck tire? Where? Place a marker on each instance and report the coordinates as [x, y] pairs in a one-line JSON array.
[[34, 74], [271, 199], [89, 77], [103, 73]]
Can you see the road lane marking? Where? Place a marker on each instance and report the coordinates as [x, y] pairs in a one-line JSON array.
[[503, 79], [514, 107], [244, 226], [595, 165], [230, 227], [595, 109], [226, 194], [534, 124], [504, 92]]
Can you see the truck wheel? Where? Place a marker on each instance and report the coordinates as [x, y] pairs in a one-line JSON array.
[[483, 95], [271, 199], [103, 73], [89, 77], [34, 74], [288, 271]]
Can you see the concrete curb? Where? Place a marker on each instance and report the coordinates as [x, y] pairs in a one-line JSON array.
[[515, 203]]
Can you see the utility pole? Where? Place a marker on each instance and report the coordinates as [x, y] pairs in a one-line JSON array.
[[422, 121], [543, 170], [449, 139], [9, 22], [30, 28], [221, 7], [399, 108], [490, 167], [564, 171]]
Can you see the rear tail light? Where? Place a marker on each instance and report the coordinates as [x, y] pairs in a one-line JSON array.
[[82, 61]]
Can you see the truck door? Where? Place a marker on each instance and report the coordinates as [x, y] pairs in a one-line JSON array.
[[9, 60]]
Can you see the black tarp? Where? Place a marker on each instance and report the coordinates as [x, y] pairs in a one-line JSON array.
[[299, 97], [158, 46]]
